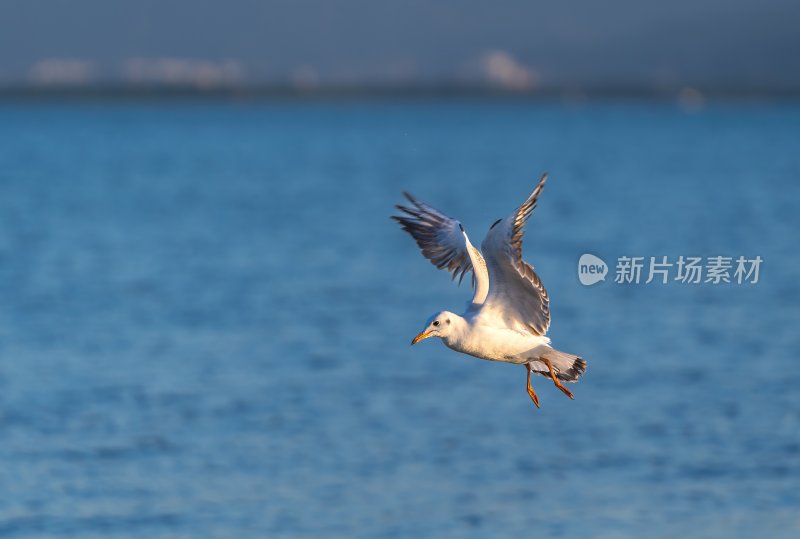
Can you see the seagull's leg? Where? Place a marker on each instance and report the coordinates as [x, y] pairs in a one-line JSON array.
[[556, 381], [532, 394]]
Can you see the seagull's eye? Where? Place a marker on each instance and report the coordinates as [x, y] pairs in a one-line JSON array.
[[448, 320], [435, 323]]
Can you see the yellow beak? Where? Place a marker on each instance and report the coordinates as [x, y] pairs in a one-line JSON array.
[[423, 335]]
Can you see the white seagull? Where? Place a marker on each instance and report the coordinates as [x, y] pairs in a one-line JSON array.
[[510, 311]]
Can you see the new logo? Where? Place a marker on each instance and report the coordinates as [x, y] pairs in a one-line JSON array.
[[591, 269]]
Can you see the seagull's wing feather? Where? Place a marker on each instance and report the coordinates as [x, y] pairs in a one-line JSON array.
[[515, 291], [444, 242]]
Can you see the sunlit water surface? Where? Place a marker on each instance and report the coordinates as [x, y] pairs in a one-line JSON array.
[[205, 315]]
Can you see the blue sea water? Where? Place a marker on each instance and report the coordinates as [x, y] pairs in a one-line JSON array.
[[205, 315]]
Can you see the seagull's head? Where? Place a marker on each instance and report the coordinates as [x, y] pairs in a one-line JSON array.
[[438, 325]]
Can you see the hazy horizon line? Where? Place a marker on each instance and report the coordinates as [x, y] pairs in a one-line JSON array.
[[688, 94]]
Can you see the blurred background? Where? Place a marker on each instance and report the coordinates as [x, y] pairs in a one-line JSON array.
[[205, 311]]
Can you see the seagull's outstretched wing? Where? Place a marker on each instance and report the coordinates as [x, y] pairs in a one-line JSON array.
[[444, 242], [515, 291]]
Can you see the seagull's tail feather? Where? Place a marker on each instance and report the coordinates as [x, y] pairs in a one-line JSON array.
[[568, 367]]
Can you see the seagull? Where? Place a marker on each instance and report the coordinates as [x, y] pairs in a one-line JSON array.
[[509, 314]]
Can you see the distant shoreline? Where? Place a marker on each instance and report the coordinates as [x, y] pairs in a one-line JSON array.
[[112, 92]]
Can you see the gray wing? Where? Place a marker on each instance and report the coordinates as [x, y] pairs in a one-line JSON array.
[[444, 242], [515, 291]]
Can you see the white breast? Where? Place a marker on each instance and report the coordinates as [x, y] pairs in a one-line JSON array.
[[497, 344]]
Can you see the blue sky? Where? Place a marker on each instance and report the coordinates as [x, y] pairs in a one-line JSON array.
[[732, 44]]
